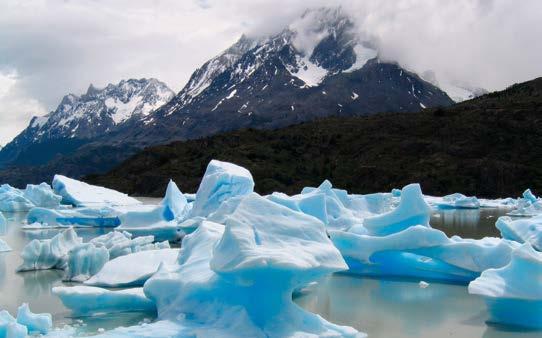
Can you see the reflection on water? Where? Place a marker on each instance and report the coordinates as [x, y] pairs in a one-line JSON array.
[[382, 308], [394, 308], [468, 223]]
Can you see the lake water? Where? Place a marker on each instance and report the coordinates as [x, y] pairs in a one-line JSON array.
[[381, 308]]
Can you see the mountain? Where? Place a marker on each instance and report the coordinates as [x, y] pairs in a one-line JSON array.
[[79, 119], [316, 67], [474, 147]]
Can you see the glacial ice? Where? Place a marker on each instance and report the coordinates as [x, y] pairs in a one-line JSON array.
[[40, 323], [522, 230], [81, 194], [454, 201], [334, 207], [106, 217], [84, 261], [9, 328], [263, 252], [513, 293], [14, 200], [221, 181], [66, 251], [529, 196], [42, 195], [402, 243], [133, 269], [412, 210], [121, 243], [3, 224], [4, 247], [3, 228], [49, 253], [88, 300], [161, 221], [527, 205]]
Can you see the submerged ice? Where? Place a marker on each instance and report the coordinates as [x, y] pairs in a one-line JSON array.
[[513, 293]]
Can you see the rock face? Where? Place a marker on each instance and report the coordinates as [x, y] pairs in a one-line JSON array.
[[79, 119]]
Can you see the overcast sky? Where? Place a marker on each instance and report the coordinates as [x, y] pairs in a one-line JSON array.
[[49, 48]]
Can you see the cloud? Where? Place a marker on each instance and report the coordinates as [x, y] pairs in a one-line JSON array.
[[61, 46], [16, 107]]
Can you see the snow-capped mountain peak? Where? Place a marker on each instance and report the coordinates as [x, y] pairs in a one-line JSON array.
[[93, 113]]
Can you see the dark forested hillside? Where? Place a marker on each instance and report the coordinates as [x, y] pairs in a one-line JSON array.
[[490, 146]]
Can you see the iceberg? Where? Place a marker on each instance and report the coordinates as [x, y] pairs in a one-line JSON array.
[[133, 269], [9, 328], [412, 210], [42, 195], [529, 196], [522, 230], [526, 206], [175, 204], [221, 181], [513, 293], [88, 300], [4, 247], [105, 217], [3, 224], [401, 243], [49, 253], [13, 200], [264, 251], [334, 207], [81, 194], [161, 221], [121, 243], [35, 323], [457, 201], [84, 261]]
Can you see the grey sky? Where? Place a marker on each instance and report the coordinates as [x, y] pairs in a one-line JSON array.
[[49, 48]]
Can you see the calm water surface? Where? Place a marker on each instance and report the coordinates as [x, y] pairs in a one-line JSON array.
[[381, 308]]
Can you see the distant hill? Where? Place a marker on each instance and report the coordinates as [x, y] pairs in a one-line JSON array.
[[490, 146]]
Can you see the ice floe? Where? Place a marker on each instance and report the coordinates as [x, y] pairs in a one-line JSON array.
[[528, 205], [87, 300], [49, 253], [335, 207], [84, 261], [15, 200], [522, 230], [81, 194], [34, 322], [66, 251], [9, 328], [133, 269], [161, 221], [3, 228], [402, 243], [513, 293]]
